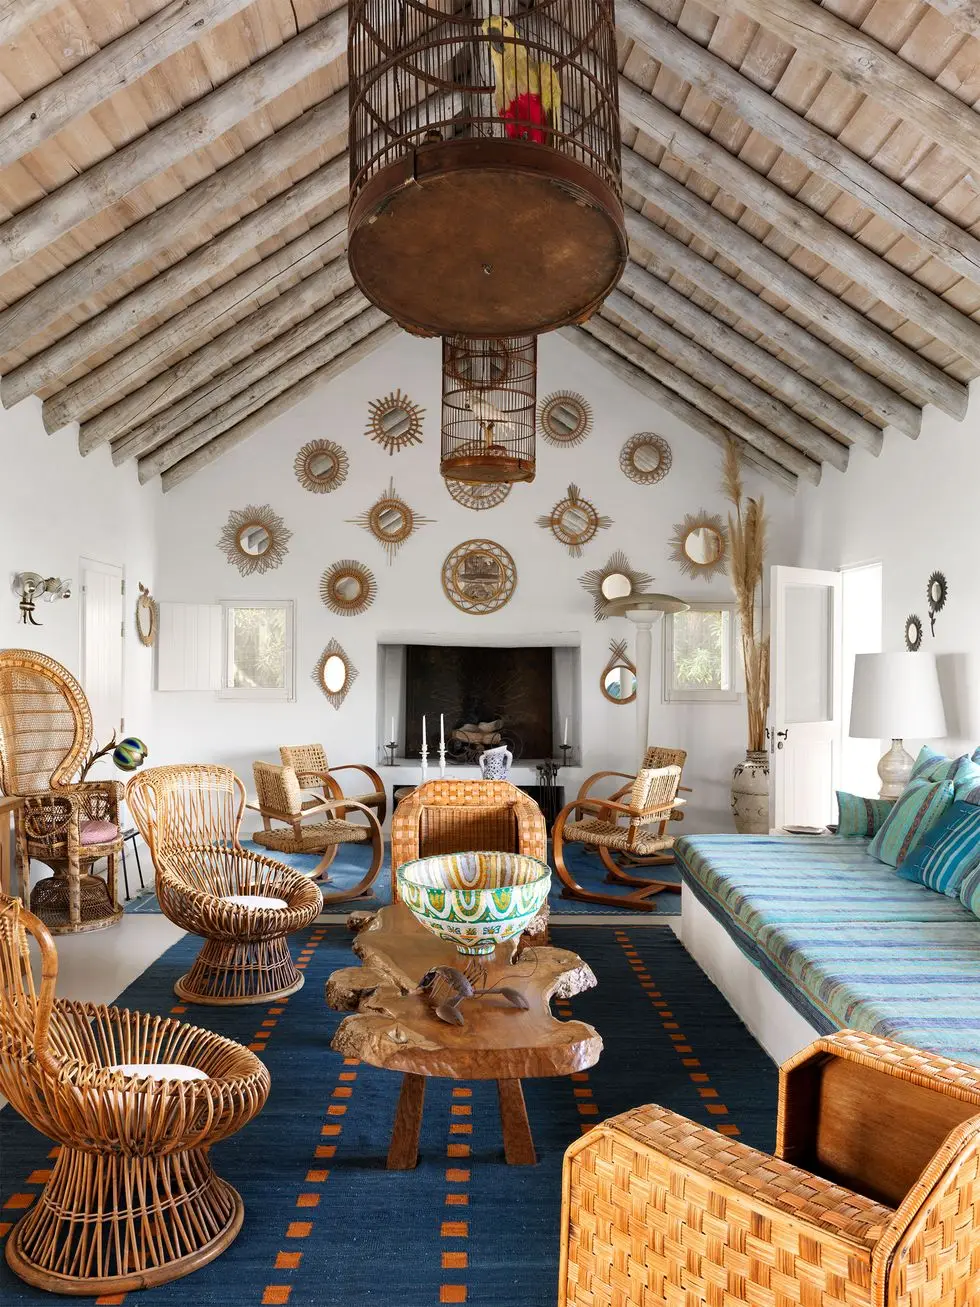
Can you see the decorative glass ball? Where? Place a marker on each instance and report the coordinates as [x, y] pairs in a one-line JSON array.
[[130, 753]]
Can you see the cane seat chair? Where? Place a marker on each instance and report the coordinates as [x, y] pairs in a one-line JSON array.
[[135, 1103], [280, 799], [309, 762], [45, 735], [635, 828], [243, 904]]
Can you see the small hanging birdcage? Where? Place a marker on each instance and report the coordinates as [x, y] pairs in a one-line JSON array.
[[485, 194], [489, 390]]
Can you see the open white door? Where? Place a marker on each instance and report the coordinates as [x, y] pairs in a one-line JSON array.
[[805, 698]]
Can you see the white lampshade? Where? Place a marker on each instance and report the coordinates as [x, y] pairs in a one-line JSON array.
[[896, 696]]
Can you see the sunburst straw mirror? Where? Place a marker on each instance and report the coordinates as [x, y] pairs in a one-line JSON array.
[[614, 581], [255, 539], [390, 521], [699, 545], [565, 418], [321, 466], [574, 521], [348, 587], [395, 422]]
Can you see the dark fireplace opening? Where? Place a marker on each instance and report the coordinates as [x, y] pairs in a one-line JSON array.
[[488, 696]]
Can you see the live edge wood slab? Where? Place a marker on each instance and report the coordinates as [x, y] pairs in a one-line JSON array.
[[394, 1029]]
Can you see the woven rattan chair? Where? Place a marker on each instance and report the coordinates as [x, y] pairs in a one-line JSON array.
[[871, 1200], [309, 762], [135, 1103], [635, 828], [281, 800], [45, 734], [457, 816], [243, 904]]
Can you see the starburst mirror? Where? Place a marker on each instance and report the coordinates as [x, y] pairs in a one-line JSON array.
[[390, 521], [255, 539], [574, 521], [614, 581]]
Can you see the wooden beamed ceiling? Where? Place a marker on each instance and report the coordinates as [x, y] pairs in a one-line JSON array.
[[803, 208]]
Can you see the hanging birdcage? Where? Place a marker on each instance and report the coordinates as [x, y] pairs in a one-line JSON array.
[[485, 192], [489, 390]]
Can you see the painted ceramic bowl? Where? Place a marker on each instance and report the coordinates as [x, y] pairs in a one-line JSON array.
[[474, 900]]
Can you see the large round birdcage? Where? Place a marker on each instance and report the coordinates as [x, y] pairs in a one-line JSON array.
[[485, 195], [489, 392]]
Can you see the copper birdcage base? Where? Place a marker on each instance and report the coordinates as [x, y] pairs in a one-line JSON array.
[[487, 469], [486, 237]]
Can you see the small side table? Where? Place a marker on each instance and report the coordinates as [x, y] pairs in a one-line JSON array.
[[131, 833], [9, 809]]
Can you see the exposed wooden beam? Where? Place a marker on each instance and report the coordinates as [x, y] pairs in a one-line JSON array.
[[117, 65], [796, 220], [15, 15], [825, 309], [732, 345], [822, 153], [99, 187], [963, 14], [183, 216], [250, 411], [229, 379], [777, 327], [659, 394]]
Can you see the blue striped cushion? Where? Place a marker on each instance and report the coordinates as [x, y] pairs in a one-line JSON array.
[[969, 892], [927, 761], [917, 809], [857, 816], [946, 853]]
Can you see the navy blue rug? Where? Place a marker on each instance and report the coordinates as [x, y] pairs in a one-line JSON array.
[[326, 1224]]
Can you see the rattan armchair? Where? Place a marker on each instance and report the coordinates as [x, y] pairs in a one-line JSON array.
[[309, 762], [45, 734], [280, 800], [243, 904], [635, 828], [871, 1200], [135, 1103]]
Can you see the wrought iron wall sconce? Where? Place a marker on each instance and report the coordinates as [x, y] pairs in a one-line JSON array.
[[30, 587]]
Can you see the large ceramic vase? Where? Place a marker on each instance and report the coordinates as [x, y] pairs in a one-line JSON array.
[[750, 793]]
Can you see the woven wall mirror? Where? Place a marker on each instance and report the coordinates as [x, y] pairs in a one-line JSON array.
[[937, 592], [646, 458], [479, 576], [147, 617], [390, 521], [321, 466], [616, 580], [913, 633], [395, 422], [565, 418], [618, 679], [574, 521], [348, 587], [335, 673], [699, 545], [255, 539], [479, 495]]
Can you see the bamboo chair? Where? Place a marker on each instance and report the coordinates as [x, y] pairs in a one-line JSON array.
[[309, 762], [635, 828], [243, 904], [45, 735], [281, 800], [872, 1197], [457, 816], [135, 1103]]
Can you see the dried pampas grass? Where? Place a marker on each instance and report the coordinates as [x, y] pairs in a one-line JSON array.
[[747, 556]]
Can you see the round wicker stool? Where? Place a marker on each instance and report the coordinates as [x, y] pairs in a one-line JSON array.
[[51, 901]]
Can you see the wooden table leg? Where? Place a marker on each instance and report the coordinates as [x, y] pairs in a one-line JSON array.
[[403, 1152], [518, 1144]]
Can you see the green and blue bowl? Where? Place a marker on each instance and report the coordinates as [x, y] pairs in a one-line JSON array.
[[474, 900]]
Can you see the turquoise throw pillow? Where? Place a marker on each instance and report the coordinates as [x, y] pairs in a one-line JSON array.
[[969, 892], [964, 772], [947, 853], [926, 763], [916, 810], [858, 816]]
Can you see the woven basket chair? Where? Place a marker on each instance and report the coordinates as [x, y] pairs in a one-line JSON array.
[[309, 762], [135, 1102], [871, 1200], [635, 828], [281, 800], [458, 816], [45, 734], [190, 816]]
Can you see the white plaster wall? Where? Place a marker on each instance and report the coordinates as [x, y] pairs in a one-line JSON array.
[[548, 597]]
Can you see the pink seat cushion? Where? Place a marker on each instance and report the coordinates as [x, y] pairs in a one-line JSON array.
[[97, 832]]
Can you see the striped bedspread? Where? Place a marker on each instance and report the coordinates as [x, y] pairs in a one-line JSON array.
[[845, 939]]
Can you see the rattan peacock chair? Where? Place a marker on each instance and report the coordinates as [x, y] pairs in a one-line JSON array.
[[135, 1103], [243, 904], [45, 735], [309, 762]]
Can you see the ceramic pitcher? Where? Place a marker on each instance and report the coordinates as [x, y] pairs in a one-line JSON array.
[[495, 763]]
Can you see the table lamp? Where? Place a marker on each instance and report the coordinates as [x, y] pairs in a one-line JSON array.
[[896, 696]]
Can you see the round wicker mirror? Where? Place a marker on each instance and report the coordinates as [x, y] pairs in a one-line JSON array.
[[574, 521], [321, 466], [645, 458], [390, 521], [255, 539], [565, 418], [699, 545], [348, 587], [395, 422]]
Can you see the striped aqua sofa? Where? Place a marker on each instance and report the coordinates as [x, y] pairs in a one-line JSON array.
[[843, 938]]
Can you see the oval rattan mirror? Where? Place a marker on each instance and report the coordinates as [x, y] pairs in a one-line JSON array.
[[348, 587], [321, 466], [334, 673], [147, 616], [618, 679]]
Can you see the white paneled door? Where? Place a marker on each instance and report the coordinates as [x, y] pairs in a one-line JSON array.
[[805, 698], [102, 645]]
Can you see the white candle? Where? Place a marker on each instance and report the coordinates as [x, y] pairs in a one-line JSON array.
[[392, 735], [564, 738], [424, 745], [442, 732]]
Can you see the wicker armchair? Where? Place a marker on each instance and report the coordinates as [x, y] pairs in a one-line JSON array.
[[309, 762], [135, 1102], [456, 816], [872, 1198], [45, 734], [281, 800], [243, 904], [635, 828]]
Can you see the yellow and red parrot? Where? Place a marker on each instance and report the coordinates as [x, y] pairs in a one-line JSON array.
[[527, 92]]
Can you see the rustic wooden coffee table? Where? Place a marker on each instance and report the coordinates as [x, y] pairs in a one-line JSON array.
[[393, 1027]]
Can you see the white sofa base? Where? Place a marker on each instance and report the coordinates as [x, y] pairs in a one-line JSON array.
[[773, 1021]]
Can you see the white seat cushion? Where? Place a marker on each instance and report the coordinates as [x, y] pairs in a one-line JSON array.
[[254, 901], [159, 1070]]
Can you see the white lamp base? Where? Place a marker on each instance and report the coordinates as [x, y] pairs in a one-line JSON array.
[[894, 768]]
